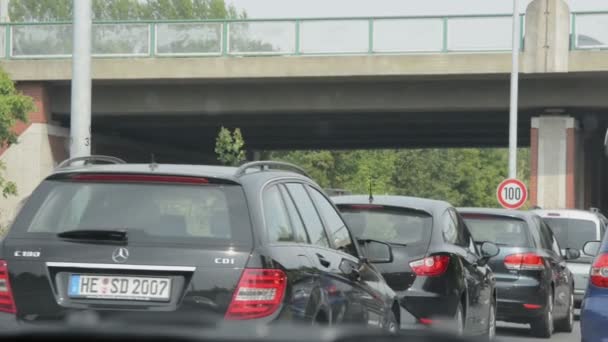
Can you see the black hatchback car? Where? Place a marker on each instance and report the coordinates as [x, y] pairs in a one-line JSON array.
[[533, 282], [437, 271], [188, 244]]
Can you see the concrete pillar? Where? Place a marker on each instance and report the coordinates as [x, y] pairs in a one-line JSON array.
[[547, 37], [556, 171], [41, 145]]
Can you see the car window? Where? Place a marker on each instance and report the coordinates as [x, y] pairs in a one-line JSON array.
[[555, 246], [470, 243], [463, 236], [278, 225], [545, 234], [449, 227], [296, 219], [337, 229], [572, 233], [309, 214], [536, 234], [501, 230], [167, 212]]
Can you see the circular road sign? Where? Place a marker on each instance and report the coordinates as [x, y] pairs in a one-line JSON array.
[[512, 193]]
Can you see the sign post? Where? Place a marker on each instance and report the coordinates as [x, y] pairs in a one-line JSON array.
[[512, 193], [80, 110], [514, 92]]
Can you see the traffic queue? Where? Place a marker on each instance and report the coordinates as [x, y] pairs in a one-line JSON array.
[[263, 243]]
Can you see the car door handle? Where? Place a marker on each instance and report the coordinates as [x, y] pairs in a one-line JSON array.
[[324, 262]]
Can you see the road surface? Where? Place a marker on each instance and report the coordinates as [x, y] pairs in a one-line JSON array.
[[507, 332]]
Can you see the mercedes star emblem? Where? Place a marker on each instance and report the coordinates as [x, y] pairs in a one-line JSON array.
[[120, 255]]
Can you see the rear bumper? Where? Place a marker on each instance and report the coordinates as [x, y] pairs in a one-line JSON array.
[[594, 316], [421, 304], [513, 296]]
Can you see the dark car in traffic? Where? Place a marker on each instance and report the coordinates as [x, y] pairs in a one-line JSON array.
[[534, 284], [189, 244], [437, 270]]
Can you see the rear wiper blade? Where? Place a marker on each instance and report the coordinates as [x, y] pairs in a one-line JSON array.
[[95, 235]]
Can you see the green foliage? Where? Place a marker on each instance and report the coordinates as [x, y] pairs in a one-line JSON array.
[[61, 10], [229, 147], [13, 108], [108, 10], [463, 177]]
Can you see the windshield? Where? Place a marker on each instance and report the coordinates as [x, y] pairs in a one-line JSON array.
[[148, 212], [573, 233], [392, 225], [500, 230]]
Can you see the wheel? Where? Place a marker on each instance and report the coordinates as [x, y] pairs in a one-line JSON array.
[[543, 326], [392, 326], [459, 320], [566, 324], [491, 333]]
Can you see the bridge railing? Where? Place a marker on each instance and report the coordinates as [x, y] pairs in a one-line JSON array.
[[379, 35], [589, 31]]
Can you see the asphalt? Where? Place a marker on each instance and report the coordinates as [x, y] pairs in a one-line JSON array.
[[521, 333]]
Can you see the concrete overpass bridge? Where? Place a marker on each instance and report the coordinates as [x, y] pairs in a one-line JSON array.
[[166, 87]]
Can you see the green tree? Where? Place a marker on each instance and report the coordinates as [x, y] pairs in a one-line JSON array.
[[464, 177], [61, 10], [229, 147], [318, 164], [13, 108], [110, 38]]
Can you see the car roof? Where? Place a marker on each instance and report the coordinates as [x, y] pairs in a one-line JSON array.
[[569, 213], [211, 171], [520, 214], [422, 204]]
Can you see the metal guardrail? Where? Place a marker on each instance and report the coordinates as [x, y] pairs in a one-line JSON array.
[[323, 36]]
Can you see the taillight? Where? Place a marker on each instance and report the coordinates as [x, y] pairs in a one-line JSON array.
[[258, 294], [599, 271], [524, 261], [431, 266], [7, 302]]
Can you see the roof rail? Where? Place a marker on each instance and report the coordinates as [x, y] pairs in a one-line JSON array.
[[90, 159], [594, 210], [266, 164]]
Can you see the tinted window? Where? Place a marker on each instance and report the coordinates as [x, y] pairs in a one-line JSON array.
[[313, 224], [498, 229], [464, 238], [149, 211], [296, 220], [394, 225], [572, 233], [278, 225], [545, 235], [449, 227], [337, 229]]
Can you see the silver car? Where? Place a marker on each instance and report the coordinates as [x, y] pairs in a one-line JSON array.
[[573, 228]]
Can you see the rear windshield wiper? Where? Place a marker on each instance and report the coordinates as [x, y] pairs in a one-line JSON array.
[[119, 236]]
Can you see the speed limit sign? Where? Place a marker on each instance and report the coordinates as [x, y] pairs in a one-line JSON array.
[[512, 193]]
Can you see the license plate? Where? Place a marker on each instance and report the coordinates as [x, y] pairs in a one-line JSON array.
[[119, 287]]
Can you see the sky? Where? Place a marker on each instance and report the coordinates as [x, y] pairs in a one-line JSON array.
[[360, 8]]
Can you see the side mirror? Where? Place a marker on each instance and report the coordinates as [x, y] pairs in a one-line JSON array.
[[377, 252], [489, 250], [572, 253], [591, 248]]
